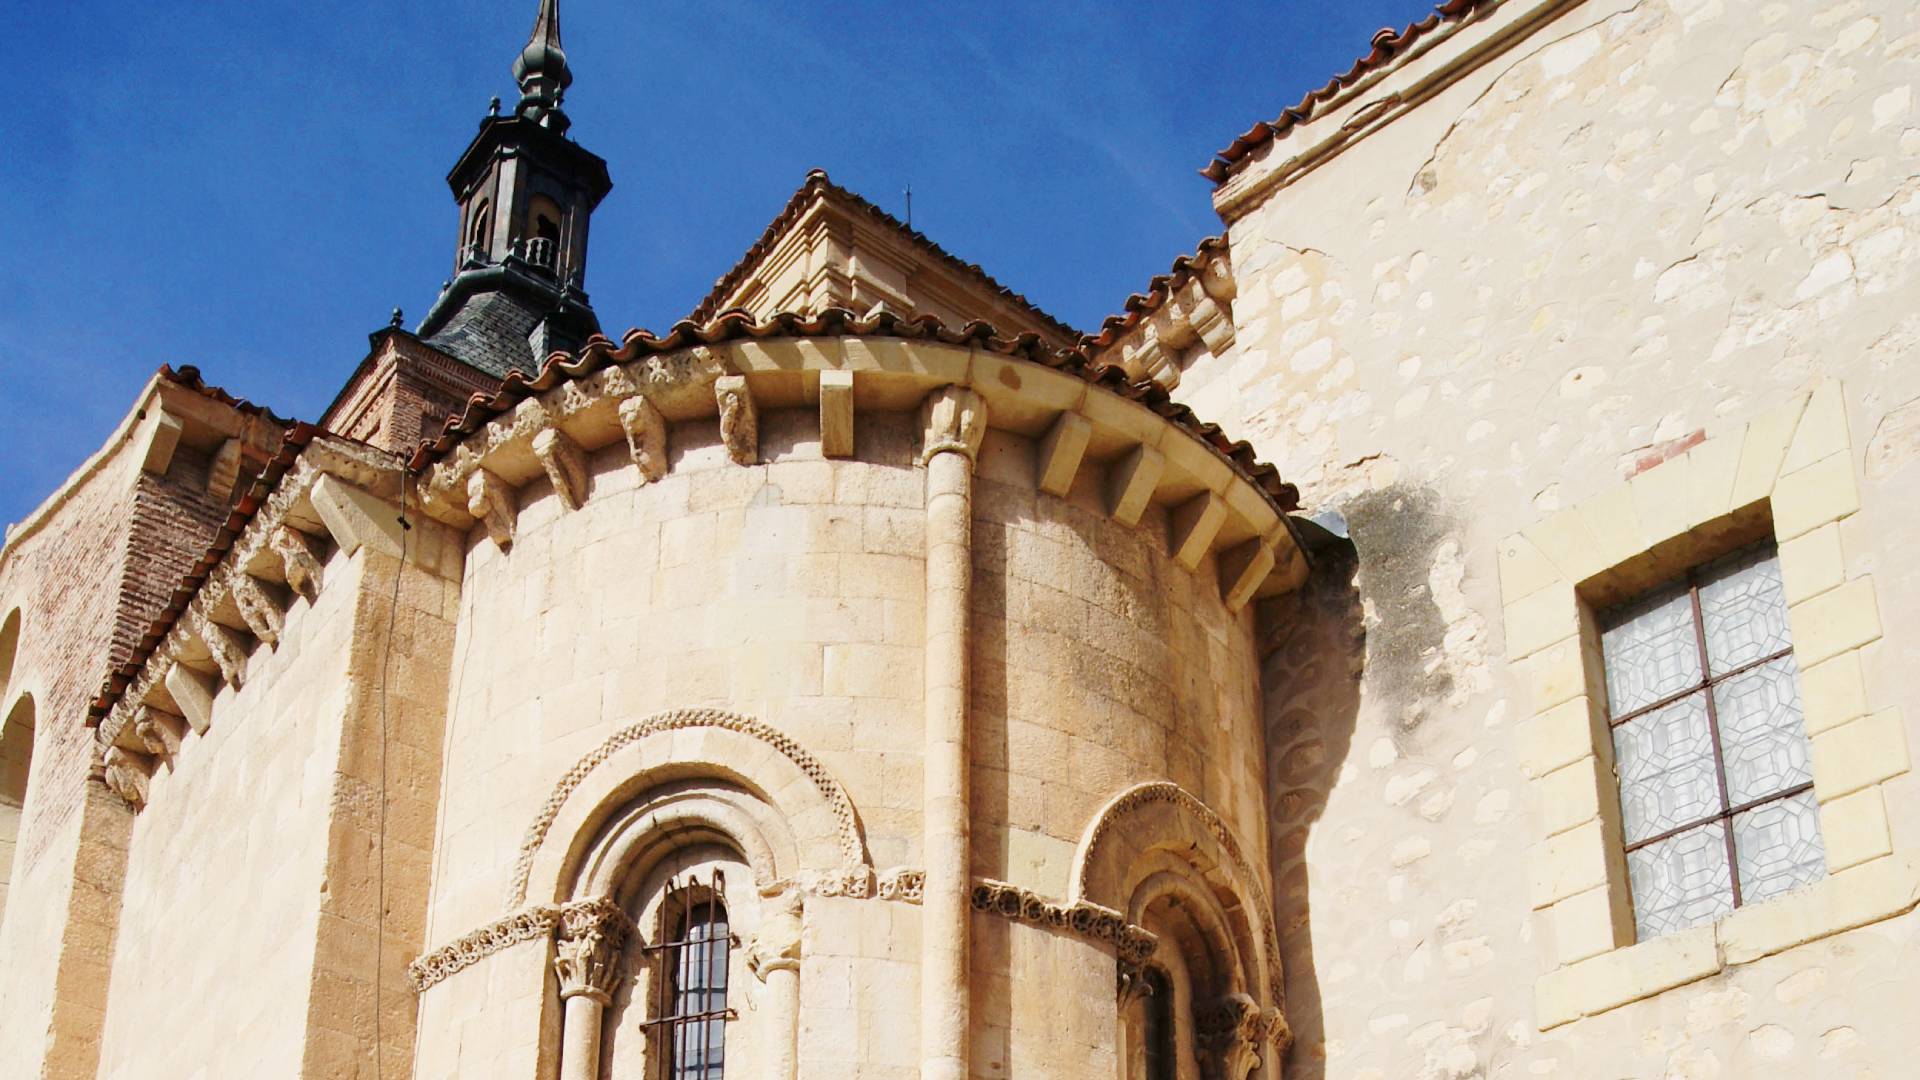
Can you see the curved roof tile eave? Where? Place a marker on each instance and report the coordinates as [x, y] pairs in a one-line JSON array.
[[837, 322], [1387, 45]]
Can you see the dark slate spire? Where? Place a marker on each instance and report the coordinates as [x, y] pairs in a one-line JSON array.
[[542, 71], [526, 193]]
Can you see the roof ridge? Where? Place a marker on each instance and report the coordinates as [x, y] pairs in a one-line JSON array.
[[1388, 44], [737, 325], [818, 183]]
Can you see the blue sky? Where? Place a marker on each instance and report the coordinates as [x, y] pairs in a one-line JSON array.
[[251, 186]]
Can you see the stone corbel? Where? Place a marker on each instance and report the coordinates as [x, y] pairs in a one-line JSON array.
[[296, 554], [586, 956], [836, 414], [193, 693], [952, 418], [127, 774], [1131, 484], [565, 463], [491, 501], [739, 419], [1061, 452], [1243, 570], [228, 651], [160, 732], [646, 437], [224, 470], [258, 607]]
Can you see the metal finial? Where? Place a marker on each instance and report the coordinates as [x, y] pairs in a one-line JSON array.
[[493, 107], [397, 319]]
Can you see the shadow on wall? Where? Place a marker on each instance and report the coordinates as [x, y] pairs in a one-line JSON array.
[[1315, 652]]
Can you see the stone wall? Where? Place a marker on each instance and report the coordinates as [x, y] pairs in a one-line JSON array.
[[1637, 225]]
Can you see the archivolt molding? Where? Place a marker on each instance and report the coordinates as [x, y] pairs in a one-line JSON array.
[[1172, 794], [853, 878]]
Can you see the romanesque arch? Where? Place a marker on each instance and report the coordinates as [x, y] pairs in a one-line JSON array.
[[1171, 864], [758, 763], [16, 763]]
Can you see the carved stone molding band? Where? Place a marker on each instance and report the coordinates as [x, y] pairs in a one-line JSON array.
[[853, 879], [458, 955], [1134, 944], [904, 885]]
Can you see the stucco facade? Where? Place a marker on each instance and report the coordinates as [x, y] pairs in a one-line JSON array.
[[1020, 721]]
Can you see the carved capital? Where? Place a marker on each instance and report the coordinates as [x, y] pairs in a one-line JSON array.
[[739, 419], [1229, 1032], [566, 465], [490, 500], [586, 956], [954, 418], [777, 946], [646, 437], [296, 553]]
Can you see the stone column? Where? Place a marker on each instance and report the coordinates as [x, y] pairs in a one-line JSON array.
[[955, 421], [774, 959], [587, 961]]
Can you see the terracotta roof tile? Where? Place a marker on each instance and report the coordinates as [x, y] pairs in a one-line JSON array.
[[735, 326], [188, 377], [1387, 44], [1140, 305], [817, 184]]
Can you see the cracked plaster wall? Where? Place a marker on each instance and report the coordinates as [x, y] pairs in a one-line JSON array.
[[1643, 220]]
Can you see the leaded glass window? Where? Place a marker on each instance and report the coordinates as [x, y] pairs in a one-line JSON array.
[[1715, 771]]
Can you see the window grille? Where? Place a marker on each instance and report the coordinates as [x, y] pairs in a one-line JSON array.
[[690, 982], [1711, 752]]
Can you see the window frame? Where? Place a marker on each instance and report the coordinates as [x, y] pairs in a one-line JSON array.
[[1791, 473], [1705, 687], [668, 1026]]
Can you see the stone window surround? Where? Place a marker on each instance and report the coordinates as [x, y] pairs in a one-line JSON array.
[[1790, 473]]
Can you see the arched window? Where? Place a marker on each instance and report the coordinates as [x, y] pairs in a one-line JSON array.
[[1160, 1052], [478, 231], [9, 644], [16, 761], [690, 963]]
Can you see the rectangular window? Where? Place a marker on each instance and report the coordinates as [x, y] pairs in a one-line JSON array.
[[1715, 770]]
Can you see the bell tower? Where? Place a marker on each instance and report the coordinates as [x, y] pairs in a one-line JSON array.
[[527, 193]]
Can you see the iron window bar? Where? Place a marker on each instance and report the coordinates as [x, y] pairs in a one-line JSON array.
[[1705, 687], [699, 958]]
